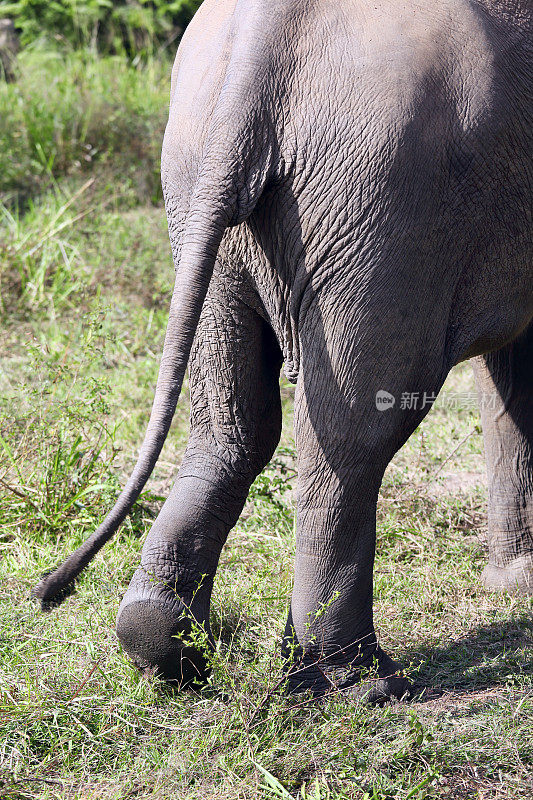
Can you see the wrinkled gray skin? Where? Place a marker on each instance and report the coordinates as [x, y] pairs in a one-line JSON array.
[[349, 191]]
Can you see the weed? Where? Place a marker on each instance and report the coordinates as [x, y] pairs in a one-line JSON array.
[[56, 446]]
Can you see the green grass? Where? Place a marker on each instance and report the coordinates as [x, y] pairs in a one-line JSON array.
[[83, 316], [68, 111]]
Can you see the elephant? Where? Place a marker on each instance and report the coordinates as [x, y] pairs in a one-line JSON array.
[[348, 187]]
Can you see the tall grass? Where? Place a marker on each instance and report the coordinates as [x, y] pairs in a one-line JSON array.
[[68, 112], [40, 263]]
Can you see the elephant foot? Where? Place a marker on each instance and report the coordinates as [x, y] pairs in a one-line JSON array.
[[372, 677], [163, 635], [378, 684], [515, 577]]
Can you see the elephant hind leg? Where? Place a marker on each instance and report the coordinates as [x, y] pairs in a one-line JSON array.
[[235, 428], [345, 438], [505, 385]]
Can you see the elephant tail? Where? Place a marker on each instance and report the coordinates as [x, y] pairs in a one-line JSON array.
[[201, 239], [238, 158]]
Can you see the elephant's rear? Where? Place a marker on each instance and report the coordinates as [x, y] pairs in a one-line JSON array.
[[384, 136]]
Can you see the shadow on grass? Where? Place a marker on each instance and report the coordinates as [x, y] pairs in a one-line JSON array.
[[233, 630], [490, 655]]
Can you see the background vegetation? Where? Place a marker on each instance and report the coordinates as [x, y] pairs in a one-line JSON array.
[[85, 274], [134, 27]]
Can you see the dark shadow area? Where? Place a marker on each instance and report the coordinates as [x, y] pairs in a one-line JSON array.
[[230, 626], [488, 656]]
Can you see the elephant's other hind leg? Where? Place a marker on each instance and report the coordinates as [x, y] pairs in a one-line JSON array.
[[344, 443], [235, 428], [505, 385]]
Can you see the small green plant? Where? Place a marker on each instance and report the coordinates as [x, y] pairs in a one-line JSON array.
[[273, 787], [271, 491]]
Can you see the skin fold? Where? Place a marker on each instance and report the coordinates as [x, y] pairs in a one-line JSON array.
[[348, 188]]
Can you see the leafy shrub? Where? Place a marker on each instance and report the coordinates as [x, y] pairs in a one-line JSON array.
[[130, 26]]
